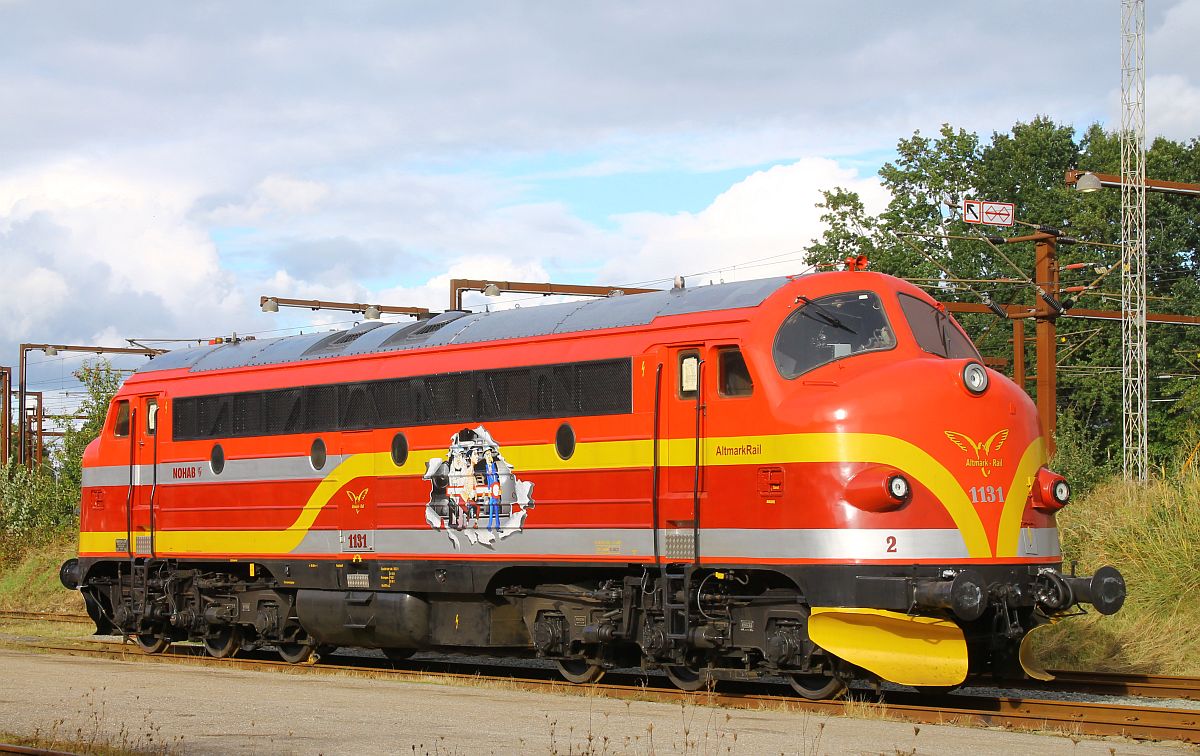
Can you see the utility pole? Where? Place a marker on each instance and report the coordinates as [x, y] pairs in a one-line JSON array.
[[495, 288], [1134, 395], [369, 311], [6, 413], [1046, 274]]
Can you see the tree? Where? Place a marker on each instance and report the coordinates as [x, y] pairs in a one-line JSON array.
[[101, 381], [38, 501], [928, 181]]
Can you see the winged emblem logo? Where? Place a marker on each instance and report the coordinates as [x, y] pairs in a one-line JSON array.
[[358, 501], [981, 451]]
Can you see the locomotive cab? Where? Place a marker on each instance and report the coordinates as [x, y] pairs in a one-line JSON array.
[[940, 479]]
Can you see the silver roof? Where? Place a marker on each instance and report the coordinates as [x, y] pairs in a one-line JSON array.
[[456, 327]]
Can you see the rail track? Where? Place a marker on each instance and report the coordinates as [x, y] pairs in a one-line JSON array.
[[81, 619], [1072, 717], [1067, 681]]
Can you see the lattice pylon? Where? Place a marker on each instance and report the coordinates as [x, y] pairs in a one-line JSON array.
[[1134, 399]]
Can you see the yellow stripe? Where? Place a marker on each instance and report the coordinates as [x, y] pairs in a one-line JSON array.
[[1008, 534], [602, 455]]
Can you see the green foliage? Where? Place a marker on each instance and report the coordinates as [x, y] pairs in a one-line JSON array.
[[914, 238], [36, 503], [33, 501], [101, 381]]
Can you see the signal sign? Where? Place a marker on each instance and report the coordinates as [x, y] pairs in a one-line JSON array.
[[989, 213]]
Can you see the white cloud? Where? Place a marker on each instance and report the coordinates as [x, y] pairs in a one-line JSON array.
[[86, 248], [1172, 107], [770, 213]]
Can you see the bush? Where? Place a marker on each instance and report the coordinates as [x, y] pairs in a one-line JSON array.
[[34, 505]]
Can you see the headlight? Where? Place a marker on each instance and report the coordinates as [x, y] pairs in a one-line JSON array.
[[1061, 492], [898, 487], [975, 378]]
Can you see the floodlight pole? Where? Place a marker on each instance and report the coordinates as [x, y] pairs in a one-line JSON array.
[[1133, 185], [22, 452]]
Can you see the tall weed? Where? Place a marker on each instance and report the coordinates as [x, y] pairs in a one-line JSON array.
[[1151, 533]]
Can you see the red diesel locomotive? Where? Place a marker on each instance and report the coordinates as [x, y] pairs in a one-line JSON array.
[[810, 476]]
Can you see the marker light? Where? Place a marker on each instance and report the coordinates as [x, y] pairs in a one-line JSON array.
[[975, 378], [1051, 492], [898, 487]]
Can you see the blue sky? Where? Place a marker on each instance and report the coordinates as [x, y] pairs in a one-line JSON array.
[[164, 165]]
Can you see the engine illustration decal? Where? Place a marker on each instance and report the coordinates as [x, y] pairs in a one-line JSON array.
[[982, 458], [474, 493]]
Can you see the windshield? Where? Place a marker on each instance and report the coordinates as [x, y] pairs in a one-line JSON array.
[[830, 328], [935, 331]]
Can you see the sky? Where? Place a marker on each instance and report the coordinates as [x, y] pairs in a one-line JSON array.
[[162, 165]]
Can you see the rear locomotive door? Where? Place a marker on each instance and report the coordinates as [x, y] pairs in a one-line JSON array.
[[682, 439], [143, 473]]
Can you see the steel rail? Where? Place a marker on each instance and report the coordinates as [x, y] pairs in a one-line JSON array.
[[1066, 681], [45, 616], [1116, 684], [1072, 717]]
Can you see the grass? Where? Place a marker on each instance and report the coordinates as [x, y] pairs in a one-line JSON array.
[[29, 576], [93, 733], [1151, 533]]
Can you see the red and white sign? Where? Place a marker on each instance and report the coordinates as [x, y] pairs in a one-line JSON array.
[[999, 213], [988, 213]]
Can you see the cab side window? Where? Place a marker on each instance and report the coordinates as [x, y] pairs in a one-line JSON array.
[[734, 376], [689, 374], [151, 417], [121, 427]]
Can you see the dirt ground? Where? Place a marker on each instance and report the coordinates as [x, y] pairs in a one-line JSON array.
[[201, 710]]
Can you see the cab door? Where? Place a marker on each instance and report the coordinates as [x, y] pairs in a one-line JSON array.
[[143, 473], [683, 484]]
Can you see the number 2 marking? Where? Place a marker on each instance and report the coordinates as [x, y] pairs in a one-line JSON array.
[[891, 544]]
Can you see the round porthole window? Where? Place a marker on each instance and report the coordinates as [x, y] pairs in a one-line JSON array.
[[316, 455], [564, 441], [216, 460], [399, 450]]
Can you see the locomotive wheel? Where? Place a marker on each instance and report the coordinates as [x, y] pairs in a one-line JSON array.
[[295, 653], [223, 643], [687, 678], [580, 671], [151, 643], [817, 687], [398, 654]]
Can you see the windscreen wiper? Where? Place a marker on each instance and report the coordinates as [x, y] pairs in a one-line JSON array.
[[826, 317]]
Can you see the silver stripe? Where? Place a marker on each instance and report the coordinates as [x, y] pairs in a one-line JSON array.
[[719, 543], [1038, 542], [236, 471], [835, 543], [636, 542]]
